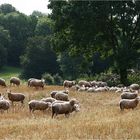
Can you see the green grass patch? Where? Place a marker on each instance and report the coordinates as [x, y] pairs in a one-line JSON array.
[[7, 72]]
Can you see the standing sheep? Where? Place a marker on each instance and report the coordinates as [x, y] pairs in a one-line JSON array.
[[61, 96], [29, 80], [68, 84], [16, 97], [129, 95], [56, 91], [128, 104], [48, 99], [134, 87], [64, 108], [4, 104], [37, 83], [84, 83], [14, 81], [38, 105], [2, 82]]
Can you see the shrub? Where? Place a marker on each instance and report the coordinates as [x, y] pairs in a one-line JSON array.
[[48, 78], [134, 77], [57, 79]]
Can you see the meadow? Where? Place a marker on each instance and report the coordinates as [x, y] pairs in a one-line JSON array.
[[99, 118]]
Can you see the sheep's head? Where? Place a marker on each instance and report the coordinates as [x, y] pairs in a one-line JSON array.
[[76, 108], [73, 101]]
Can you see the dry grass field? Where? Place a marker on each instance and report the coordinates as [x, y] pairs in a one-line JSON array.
[[99, 118]]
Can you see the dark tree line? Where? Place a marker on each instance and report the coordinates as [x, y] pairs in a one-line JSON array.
[[88, 27], [78, 38]]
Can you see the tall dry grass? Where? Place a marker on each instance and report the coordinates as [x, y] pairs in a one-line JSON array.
[[99, 118]]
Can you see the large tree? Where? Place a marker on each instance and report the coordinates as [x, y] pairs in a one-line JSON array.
[[85, 27]]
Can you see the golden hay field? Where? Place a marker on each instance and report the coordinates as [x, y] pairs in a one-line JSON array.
[[99, 118]]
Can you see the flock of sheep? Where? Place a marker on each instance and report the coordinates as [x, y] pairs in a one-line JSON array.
[[59, 102], [129, 96]]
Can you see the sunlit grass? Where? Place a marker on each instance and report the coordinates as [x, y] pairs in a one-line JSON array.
[[99, 118], [7, 72]]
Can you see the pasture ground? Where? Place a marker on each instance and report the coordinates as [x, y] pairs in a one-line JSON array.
[[99, 118]]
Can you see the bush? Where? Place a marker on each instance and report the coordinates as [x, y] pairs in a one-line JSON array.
[[48, 78], [134, 77], [57, 79]]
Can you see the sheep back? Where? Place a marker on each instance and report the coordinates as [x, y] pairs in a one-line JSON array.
[[2, 82], [61, 96], [128, 95], [128, 104], [15, 80]]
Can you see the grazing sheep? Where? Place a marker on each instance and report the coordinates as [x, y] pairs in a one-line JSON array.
[[4, 104], [48, 99], [102, 84], [134, 87], [101, 89], [129, 95], [59, 101], [37, 83], [83, 88], [64, 107], [68, 83], [2, 82], [56, 91], [93, 83], [38, 105], [14, 81], [29, 80], [91, 89], [61, 96], [84, 83], [16, 97], [128, 104]]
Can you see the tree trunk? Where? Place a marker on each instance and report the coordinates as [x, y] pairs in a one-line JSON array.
[[123, 76]]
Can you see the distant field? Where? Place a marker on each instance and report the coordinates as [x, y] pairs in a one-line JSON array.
[[8, 72], [99, 118]]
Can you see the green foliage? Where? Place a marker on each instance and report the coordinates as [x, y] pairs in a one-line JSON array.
[[7, 8], [57, 79], [7, 72], [134, 77], [4, 40], [43, 26], [48, 78], [38, 58], [109, 27]]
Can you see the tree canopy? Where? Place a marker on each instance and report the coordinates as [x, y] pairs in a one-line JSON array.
[[111, 28]]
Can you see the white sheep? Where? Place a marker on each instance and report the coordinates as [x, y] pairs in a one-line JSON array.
[[38, 105], [128, 103], [14, 81], [48, 99], [68, 84], [61, 96], [2, 82], [84, 83], [56, 91], [37, 83], [4, 104], [128, 95], [134, 87], [64, 107]]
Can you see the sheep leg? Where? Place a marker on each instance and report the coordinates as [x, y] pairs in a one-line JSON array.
[[22, 103], [67, 115], [53, 112]]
